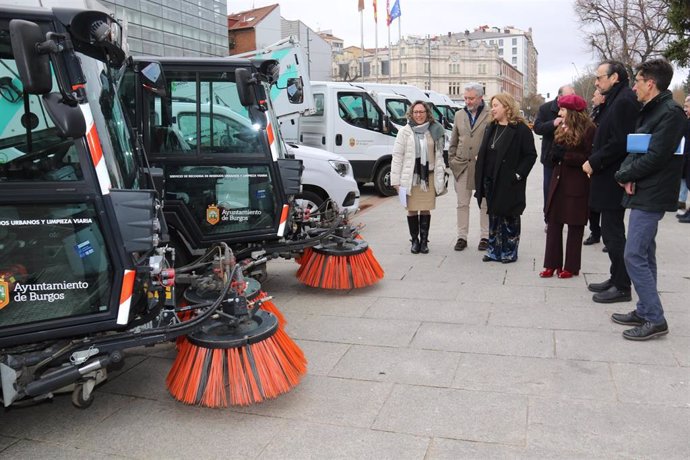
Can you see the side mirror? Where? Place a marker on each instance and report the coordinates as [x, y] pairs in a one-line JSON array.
[[295, 90], [152, 77], [245, 88], [33, 66]]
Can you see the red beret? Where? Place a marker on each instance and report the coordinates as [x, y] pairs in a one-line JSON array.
[[572, 102]]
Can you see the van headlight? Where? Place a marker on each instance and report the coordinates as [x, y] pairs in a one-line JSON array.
[[341, 167]]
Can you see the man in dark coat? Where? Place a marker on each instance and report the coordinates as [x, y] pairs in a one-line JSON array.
[[685, 217], [650, 181], [616, 121], [545, 125]]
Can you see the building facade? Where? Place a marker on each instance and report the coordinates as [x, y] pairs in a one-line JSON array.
[[516, 47], [253, 29], [174, 27], [444, 64]]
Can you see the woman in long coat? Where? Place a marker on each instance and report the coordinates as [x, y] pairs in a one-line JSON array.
[[505, 158], [417, 166], [568, 198]]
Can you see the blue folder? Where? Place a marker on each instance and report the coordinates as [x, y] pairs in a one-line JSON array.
[[639, 143]]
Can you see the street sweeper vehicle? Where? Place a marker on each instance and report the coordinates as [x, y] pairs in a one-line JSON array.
[[85, 271], [227, 182]]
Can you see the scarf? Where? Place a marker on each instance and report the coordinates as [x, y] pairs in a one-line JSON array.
[[421, 162]]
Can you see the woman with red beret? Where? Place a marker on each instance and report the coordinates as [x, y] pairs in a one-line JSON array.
[[568, 198]]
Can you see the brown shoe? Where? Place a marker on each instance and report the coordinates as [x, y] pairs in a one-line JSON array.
[[483, 244], [461, 244]]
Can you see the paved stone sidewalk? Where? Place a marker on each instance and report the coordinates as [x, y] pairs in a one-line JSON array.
[[446, 358]]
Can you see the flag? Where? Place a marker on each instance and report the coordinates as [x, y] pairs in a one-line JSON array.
[[361, 5], [394, 12], [376, 19]]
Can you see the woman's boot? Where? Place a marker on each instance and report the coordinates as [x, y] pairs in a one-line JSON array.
[[413, 224], [424, 223]]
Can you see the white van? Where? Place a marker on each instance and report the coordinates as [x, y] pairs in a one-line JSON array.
[[326, 175], [348, 121]]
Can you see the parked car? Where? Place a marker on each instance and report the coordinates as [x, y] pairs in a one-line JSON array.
[[326, 175]]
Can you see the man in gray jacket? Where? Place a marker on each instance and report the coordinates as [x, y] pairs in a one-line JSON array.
[[468, 131], [650, 181]]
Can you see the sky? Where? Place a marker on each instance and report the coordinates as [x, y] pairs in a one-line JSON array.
[[562, 52]]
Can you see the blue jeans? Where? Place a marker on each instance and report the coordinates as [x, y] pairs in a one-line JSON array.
[[640, 261], [683, 195]]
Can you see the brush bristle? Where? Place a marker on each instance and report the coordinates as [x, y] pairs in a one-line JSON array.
[[271, 307], [340, 272], [241, 376]]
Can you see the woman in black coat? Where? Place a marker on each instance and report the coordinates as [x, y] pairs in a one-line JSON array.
[[505, 158], [568, 198]]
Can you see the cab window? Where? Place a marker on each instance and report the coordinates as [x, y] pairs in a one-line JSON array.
[[30, 148]]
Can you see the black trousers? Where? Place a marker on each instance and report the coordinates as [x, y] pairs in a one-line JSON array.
[[613, 234], [594, 227]]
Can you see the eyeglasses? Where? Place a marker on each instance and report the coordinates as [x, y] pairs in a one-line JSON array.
[[419, 112], [599, 77]]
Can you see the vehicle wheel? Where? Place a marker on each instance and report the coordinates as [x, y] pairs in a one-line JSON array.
[[382, 181], [78, 397], [309, 200]]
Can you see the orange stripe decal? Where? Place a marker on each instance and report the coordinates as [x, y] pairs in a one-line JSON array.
[[127, 286], [269, 130]]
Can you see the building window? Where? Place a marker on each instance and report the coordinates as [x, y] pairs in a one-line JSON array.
[[481, 69], [514, 61], [426, 67], [491, 42], [514, 41], [500, 51], [404, 67], [500, 42], [514, 50], [427, 85]]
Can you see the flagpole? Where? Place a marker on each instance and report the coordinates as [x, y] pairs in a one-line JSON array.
[[376, 48], [361, 30], [390, 56], [399, 50]]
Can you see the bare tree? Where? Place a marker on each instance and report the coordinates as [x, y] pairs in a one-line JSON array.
[[530, 105], [630, 31]]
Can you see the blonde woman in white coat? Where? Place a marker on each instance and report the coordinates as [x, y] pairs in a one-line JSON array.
[[418, 167]]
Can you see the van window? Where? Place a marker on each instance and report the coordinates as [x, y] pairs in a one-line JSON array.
[[397, 110], [318, 104], [360, 110]]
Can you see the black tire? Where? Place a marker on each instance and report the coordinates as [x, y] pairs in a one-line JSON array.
[[310, 199], [382, 181]]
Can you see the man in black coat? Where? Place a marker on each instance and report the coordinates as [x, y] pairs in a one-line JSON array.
[[545, 125], [685, 217], [616, 121], [650, 181]]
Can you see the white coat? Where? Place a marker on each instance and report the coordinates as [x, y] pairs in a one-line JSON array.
[[402, 163]]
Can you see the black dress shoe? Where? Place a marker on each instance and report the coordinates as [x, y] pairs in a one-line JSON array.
[[489, 259], [460, 244], [604, 249], [628, 319], [612, 295], [646, 331], [591, 239], [600, 287], [685, 218]]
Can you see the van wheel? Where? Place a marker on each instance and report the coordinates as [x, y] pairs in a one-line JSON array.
[[309, 200], [382, 181]]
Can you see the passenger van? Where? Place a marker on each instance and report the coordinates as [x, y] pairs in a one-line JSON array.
[[349, 122]]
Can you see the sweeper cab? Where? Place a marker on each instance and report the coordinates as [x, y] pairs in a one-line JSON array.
[[228, 176], [84, 271]]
